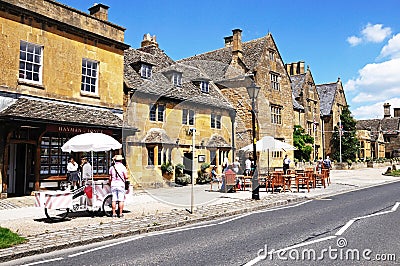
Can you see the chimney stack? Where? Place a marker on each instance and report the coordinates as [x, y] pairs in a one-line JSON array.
[[149, 40], [295, 68], [237, 44], [228, 41], [396, 112], [386, 110], [99, 11]]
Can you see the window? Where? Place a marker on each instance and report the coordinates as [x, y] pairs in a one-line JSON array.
[[271, 54], [213, 157], [276, 116], [215, 121], [187, 117], [275, 81], [277, 154], [145, 71], [150, 155], [89, 76], [156, 112], [310, 128], [204, 86], [30, 62], [177, 79]]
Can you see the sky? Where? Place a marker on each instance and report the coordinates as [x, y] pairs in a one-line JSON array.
[[357, 41]]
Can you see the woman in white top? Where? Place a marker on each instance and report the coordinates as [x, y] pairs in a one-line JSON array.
[[72, 168]]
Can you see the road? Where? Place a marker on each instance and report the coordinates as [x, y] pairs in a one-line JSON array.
[[363, 221]]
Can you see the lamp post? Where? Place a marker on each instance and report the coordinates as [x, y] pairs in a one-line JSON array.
[[253, 91]]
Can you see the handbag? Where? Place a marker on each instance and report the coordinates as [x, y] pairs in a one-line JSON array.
[[127, 183]]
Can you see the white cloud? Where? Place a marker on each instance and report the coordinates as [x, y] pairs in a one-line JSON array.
[[375, 84], [392, 48], [375, 33], [370, 33], [374, 110], [354, 40]]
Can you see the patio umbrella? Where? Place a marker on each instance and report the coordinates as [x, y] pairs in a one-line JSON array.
[[91, 142], [268, 144]]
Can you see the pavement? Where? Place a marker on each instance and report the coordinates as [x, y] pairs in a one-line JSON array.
[[158, 209]]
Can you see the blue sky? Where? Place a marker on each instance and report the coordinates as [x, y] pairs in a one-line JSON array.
[[356, 40]]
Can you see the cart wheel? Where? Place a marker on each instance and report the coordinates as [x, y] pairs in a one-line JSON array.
[[56, 214], [107, 207]]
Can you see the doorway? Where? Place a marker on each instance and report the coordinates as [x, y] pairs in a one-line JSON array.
[[187, 162], [20, 169]]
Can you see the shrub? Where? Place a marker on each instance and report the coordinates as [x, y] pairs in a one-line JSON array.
[[179, 169], [203, 177], [167, 168], [204, 167], [183, 180], [349, 162]]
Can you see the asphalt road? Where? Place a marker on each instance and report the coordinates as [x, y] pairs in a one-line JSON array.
[[359, 221]]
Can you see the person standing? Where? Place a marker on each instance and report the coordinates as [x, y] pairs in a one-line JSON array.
[[286, 164], [86, 169], [118, 176], [72, 169], [327, 163], [320, 163], [225, 164], [247, 170]]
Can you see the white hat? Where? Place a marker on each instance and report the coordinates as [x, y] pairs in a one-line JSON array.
[[118, 157]]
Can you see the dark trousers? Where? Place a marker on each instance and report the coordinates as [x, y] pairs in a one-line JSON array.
[[285, 168]]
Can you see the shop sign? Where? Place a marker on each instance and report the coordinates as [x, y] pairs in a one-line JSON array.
[[76, 130]]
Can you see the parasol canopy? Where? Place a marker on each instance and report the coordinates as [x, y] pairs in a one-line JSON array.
[[91, 142]]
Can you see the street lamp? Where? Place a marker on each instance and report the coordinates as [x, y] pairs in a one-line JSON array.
[[253, 91]]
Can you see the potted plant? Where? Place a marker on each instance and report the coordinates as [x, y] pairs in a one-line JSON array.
[[202, 175], [167, 171]]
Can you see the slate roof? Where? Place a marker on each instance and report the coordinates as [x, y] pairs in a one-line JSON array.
[[217, 141], [391, 125], [372, 125], [297, 82], [49, 111], [252, 52], [296, 104], [162, 86], [326, 93], [157, 136]]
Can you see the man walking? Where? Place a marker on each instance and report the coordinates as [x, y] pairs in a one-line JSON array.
[[118, 176]]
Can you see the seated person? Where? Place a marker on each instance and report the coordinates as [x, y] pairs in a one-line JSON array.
[[214, 177]]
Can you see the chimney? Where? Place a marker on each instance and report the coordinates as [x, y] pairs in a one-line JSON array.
[[99, 11], [228, 41], [149, 40], [237, 43], [386, 110], [396, 112], [301, 67]]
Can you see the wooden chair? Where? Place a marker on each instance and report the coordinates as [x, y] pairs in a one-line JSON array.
[[277, 180], [323, 177], [309, 172], [302, 179]]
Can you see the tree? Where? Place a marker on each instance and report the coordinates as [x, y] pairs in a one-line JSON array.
[[300, 141], [349, 141]]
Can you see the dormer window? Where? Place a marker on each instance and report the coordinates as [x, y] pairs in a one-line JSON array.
[[177, 79], [145, 71], [204, 86]]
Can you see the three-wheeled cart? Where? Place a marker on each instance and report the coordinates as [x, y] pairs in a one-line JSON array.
[[94, 196]]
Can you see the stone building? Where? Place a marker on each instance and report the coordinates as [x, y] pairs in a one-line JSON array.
[[62, 75], [332, 100], [379, 138], [167, 100], [306, 105], [259, 59]]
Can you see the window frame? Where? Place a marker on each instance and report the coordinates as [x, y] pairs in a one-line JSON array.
[[22, 72], [177, 79], [146, 71], [84, 76], [215, 121], [204, 86], [276, 114], [274, 79], [157, 112], [188, 116]]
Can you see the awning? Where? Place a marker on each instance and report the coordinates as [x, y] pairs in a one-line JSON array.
[[55, 112]]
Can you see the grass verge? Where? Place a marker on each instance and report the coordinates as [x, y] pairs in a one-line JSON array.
[[9, 238]]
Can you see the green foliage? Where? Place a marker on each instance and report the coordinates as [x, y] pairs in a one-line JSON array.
[[303, 142], [203, 177], [350, 145], [183, 180], [167, 168], [9, 238], [204, 167], [179, 170]]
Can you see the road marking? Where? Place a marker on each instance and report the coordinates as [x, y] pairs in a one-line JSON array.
[[344, 228], [43, 261], [338, 233], [106, 246], [262, 211]]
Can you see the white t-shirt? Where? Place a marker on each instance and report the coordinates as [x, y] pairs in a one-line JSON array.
[[248, 164]]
